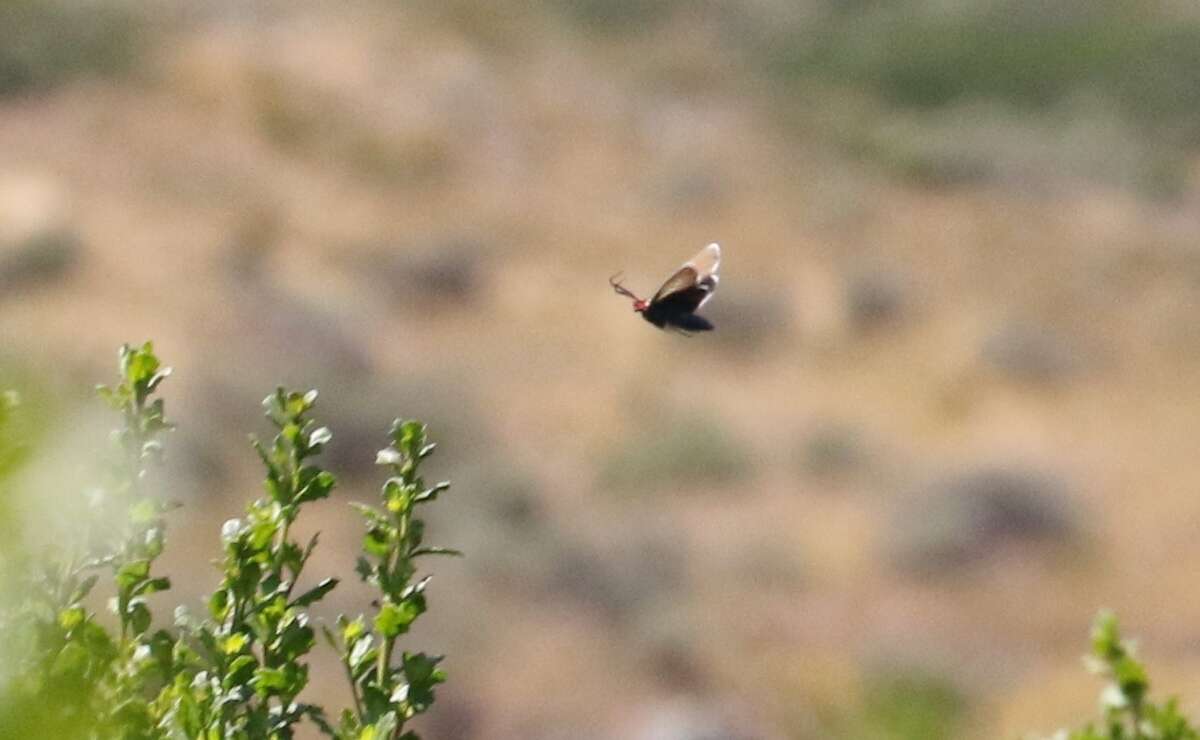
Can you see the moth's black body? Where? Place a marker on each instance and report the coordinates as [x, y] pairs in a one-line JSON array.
[[678, 310], [675, 304]]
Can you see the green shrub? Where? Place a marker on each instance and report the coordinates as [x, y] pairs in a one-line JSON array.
[[237, 671]]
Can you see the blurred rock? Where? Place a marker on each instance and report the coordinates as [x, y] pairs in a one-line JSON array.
[[832, 450], [675, 666], [40, 260], [1031, 354], [963, 519], [689, 718], [875, 299], [449, 272], [693, 187], [618, 584], [255, 237], [771, 566], [299, 341], [515, 505], [38, 244]]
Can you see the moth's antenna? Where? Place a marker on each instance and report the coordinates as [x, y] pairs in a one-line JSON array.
[[638, 303]]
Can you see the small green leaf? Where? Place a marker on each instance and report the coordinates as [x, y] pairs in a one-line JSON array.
[[315, 484], [296, 640], [364, 568], [436, 551], [394, 619], [315, 593], [352, 630], [139, 616], [432, 493], [241, 670], [398, 497], [1106, 641], [218, 604], [268, 681], [71, 618], [1131, 678], [262, 533], [377, 541], [409, 437], [152, 585], [234, 643], [422, 674], [132, 573]]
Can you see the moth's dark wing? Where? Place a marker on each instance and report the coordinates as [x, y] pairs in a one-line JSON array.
[[676, 311], [683, 279], [700, 270], [691, 322], [687, 299]]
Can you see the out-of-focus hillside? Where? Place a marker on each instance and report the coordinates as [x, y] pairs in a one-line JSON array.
[[948, 411]]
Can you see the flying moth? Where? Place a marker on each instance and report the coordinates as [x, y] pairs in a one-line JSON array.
[[675, 304]]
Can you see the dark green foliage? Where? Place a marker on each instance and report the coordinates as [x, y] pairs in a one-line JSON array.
[[1128, 712], [683, 449], [617, 15], [1027, 55], [237, 672], [912, 705], [46, 42], [982, 90]]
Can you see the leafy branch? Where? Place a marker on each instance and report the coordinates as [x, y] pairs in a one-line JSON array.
[[389, 692], [1128, 713]]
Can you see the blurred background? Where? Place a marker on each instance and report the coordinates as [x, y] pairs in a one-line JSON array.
[[948, 412]]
